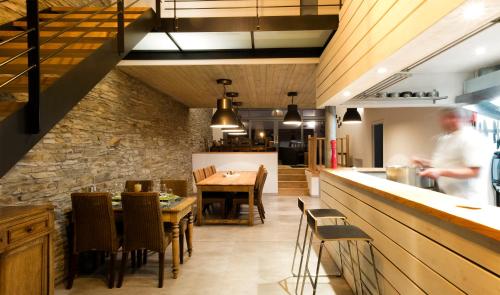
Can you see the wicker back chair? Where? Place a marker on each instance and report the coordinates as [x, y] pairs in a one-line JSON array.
[[143, 228], [94, 229], [179, 187], [147, 185]]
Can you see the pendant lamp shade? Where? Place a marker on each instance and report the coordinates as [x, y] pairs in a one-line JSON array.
[[224, 117], [352, 116], [292, 116]]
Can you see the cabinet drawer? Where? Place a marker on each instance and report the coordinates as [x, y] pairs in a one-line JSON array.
[[27, 229]]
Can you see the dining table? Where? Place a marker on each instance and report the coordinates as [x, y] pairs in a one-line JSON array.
[[173, 212], [239, 181]]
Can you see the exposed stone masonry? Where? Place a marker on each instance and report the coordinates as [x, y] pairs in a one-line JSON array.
[[121, 130]]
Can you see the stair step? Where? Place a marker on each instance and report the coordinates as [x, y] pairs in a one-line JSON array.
[[73, 50], [291, 170], [8, 107], [75, 17], [292, 184], [132, 10], [291, 177], [83, 27], [295, 192], [21, 84], [54, 65], [64, 37]]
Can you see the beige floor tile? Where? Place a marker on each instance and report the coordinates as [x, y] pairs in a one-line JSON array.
[[229, 260]]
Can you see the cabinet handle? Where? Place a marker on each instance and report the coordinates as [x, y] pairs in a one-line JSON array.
[[29, 229]]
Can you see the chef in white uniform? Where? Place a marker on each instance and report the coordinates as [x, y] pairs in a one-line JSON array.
[[461, 159]]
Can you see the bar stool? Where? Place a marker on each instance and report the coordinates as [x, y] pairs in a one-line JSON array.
[[328, 233], [318, 213]]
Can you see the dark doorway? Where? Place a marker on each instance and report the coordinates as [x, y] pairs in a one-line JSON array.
[[378, 145]]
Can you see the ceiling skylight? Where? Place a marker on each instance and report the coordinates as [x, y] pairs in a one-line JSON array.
[[156, 41], [213, 40], [291, 39]]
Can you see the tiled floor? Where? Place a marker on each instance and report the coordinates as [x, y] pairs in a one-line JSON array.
[[229, 260]]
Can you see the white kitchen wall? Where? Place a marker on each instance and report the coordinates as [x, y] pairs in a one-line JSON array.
[[407, 132]]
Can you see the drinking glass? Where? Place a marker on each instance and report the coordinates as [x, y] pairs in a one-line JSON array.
[[170, 191]]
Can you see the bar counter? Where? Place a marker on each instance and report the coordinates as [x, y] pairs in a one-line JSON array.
[[425, 242]]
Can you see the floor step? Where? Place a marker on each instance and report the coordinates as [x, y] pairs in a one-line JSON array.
[[295, 192], [292, 177], [291, 170], [292, 184]]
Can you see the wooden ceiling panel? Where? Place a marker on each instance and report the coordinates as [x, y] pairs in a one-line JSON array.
[[259, 85]]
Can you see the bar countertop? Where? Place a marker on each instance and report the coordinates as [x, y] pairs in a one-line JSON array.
[[464, 213]]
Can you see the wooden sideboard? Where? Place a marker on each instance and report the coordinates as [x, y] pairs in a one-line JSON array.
[[26, 250]]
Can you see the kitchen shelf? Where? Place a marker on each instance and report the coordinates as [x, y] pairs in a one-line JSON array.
[[398, 99]]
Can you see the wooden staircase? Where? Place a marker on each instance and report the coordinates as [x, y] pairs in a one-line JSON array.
[[78, 46], [57, 56], [292, 181]]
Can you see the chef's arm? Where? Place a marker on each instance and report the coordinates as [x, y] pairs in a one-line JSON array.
[[424, 163], [461, 173]]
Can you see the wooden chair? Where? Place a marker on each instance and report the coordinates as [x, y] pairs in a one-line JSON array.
[[179, 188], [210, 198], [212, 169], [143, 229], [94, 229], [208, 172], [242, 198], [147, 185]]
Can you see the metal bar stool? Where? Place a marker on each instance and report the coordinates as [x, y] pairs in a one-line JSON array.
[[328, 233], [317, 213]]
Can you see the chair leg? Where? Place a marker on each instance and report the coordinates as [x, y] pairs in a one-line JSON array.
[[182, 232], [139, 258], [261, 214], [304, 244], [133, 258], [374, 268], [317, 267], [352, 267], [306, 266], [145, 256], [122, 269], [111, 271], [161, 260], [297, 246], [73, 267]]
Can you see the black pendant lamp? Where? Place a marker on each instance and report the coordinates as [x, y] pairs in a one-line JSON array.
[[292, 116], [236, 104], [224, 117], [352, 116]]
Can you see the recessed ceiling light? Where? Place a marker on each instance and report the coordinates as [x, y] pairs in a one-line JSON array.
[[480, 50], [473, 10], [382, 70], [346, 93]]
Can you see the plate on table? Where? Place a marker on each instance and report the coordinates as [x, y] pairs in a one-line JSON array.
[[168, 198]]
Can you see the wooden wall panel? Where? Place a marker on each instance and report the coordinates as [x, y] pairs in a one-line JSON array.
[[370, 31], [410, 261]]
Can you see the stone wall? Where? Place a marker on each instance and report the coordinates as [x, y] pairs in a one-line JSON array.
[[121, 130]]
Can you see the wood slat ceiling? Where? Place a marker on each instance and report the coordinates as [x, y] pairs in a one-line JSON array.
[[259, 85]]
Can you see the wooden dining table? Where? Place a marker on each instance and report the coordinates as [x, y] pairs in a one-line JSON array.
[[241, 181], [174, 214]]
